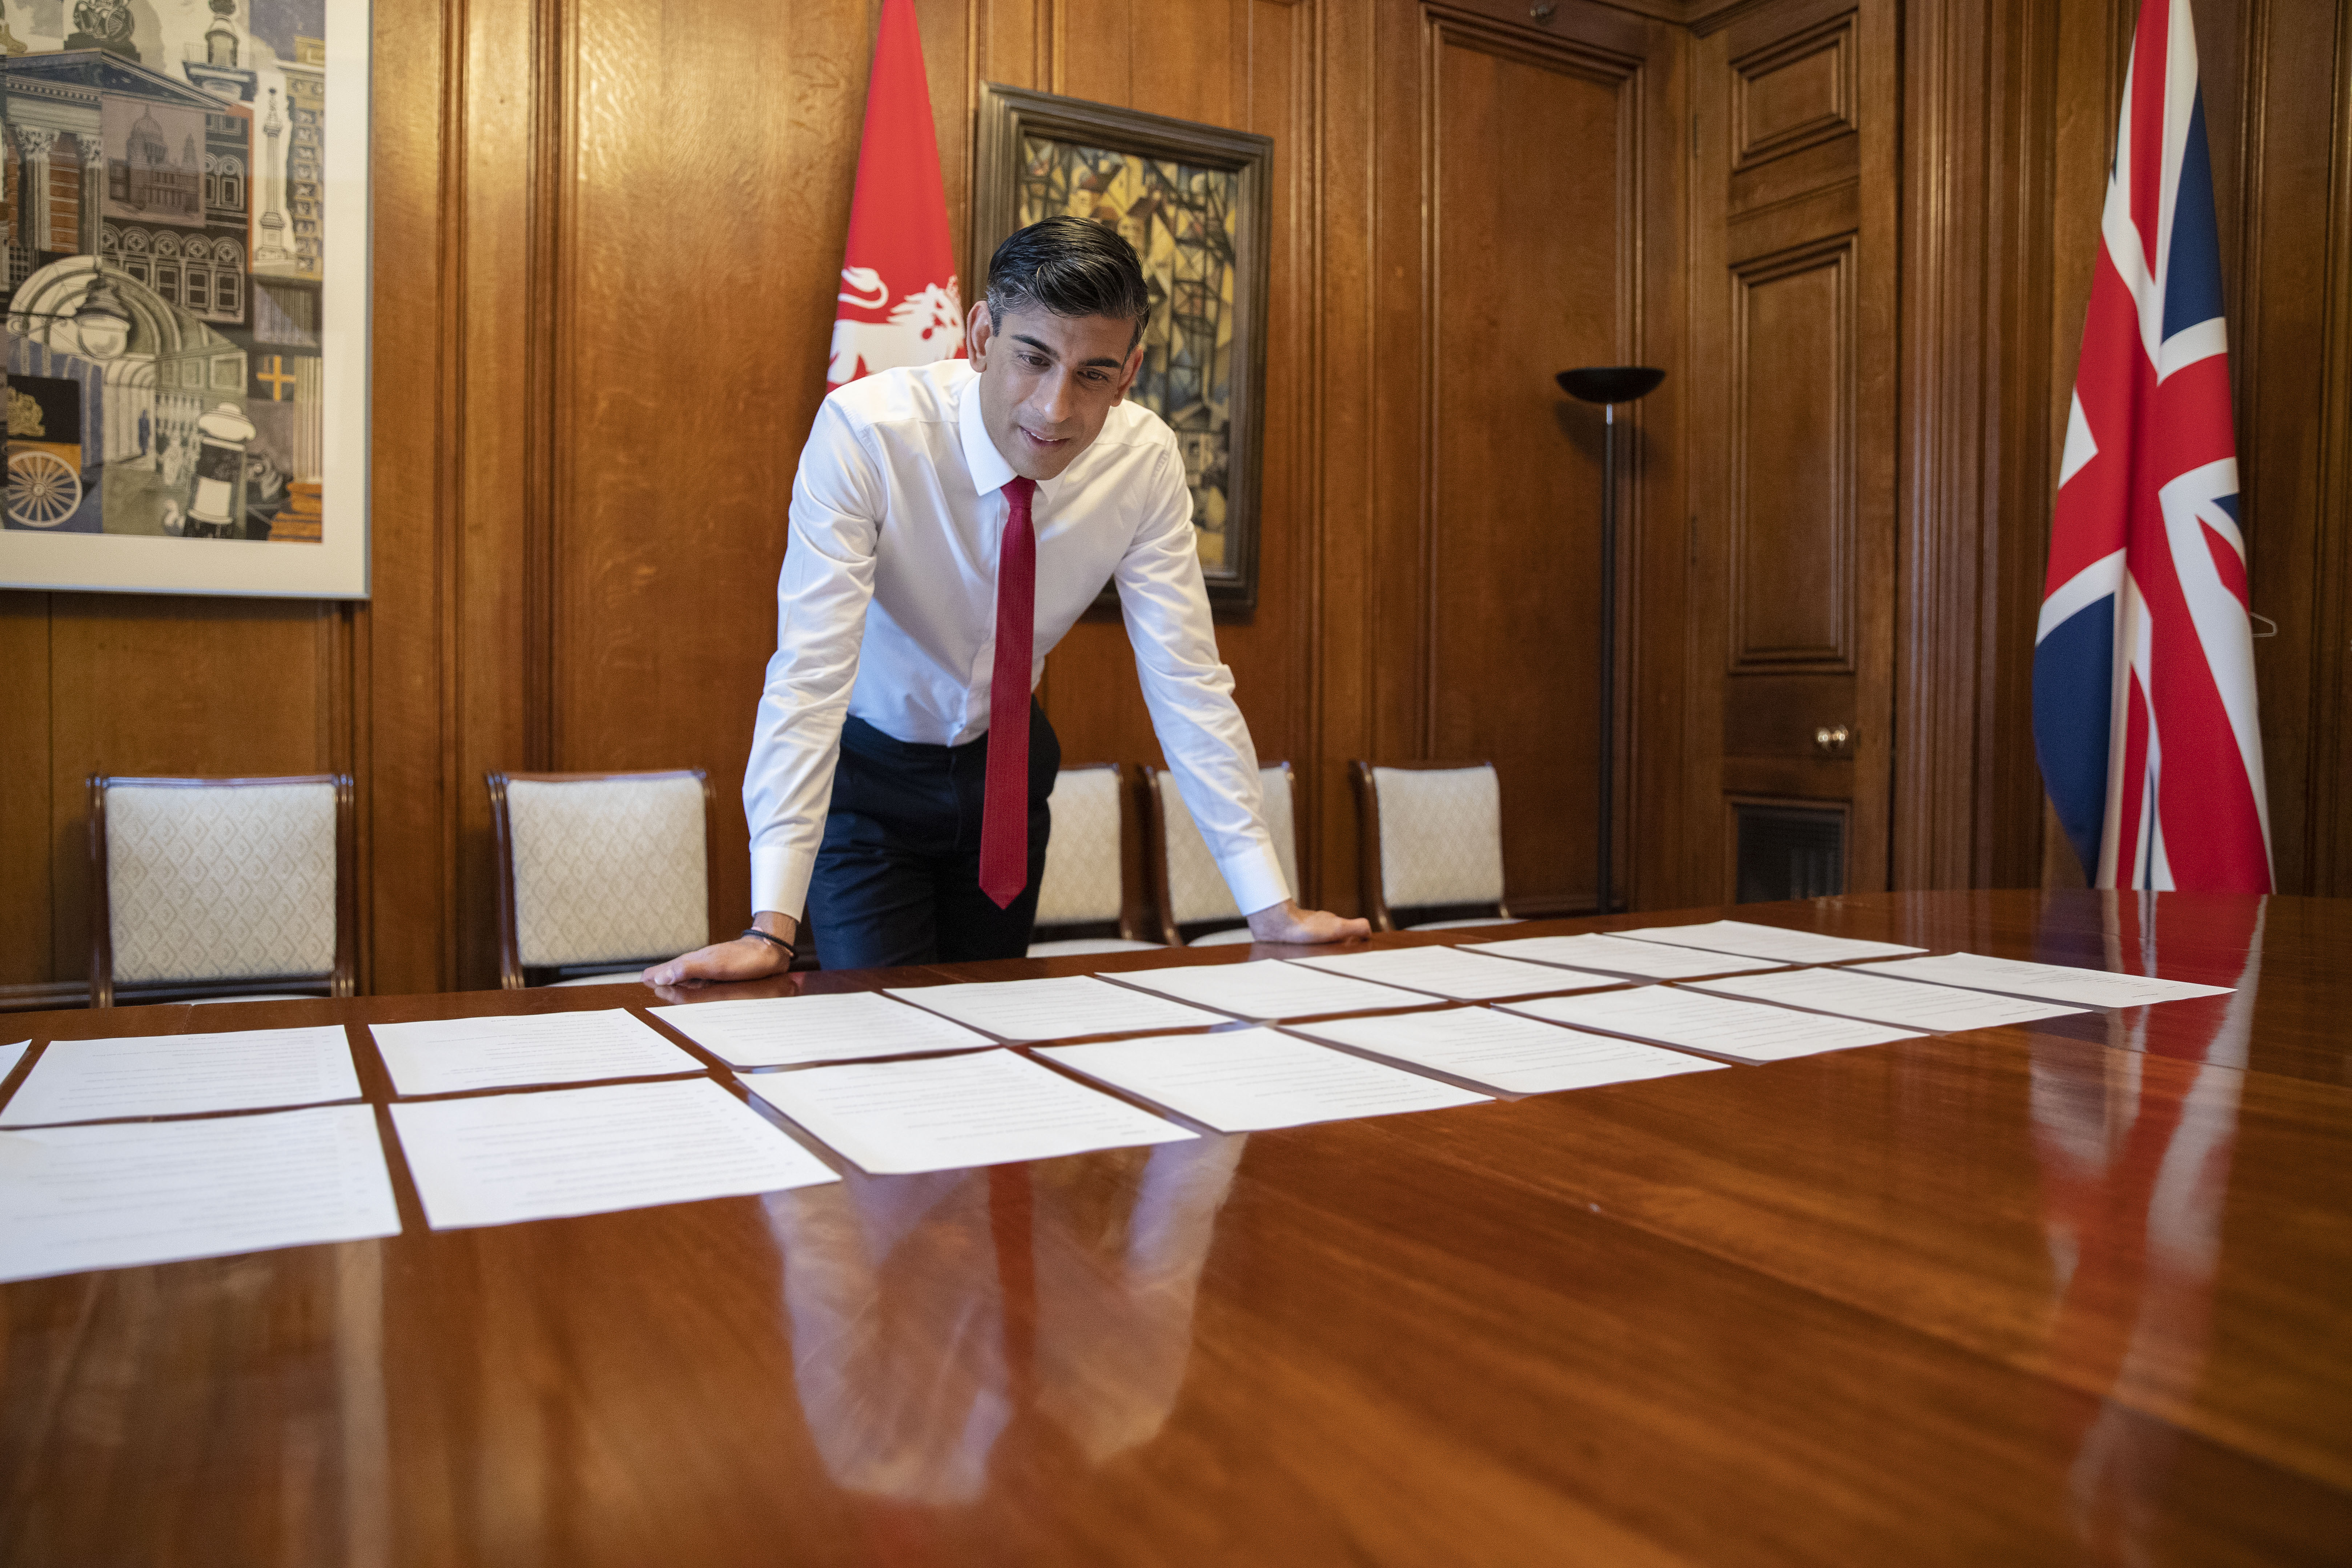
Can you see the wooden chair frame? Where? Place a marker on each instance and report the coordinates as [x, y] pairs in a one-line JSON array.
[[1132, 894], [1163, 905], [512, 974], [343, 981], [1366, 785]]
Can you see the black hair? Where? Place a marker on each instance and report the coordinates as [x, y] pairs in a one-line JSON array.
[[1069, 267]]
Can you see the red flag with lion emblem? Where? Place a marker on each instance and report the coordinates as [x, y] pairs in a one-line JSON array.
[[898, 303]]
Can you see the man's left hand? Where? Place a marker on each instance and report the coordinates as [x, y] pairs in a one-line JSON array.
[[1286, 922]]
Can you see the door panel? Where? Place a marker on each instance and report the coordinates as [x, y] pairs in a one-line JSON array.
[[1793, 508]]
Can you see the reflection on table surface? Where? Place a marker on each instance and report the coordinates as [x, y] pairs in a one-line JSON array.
[[2067, 1292], [1068, 1290]]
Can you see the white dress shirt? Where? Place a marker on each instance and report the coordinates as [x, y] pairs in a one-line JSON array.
[[886, 608]]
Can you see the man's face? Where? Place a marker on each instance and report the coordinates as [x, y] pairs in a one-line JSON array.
[[1047, 382]]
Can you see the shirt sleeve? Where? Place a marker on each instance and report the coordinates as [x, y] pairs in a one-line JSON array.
[[822, 595], [1191, 694]]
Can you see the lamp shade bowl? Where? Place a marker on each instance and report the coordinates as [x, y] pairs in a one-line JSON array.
[[1609, 382]]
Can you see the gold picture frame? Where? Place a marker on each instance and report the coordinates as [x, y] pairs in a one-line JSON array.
[[1196, 201]]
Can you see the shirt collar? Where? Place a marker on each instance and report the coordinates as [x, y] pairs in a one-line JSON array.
[[990, 472]]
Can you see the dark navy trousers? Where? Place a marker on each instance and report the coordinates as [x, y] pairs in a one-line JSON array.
[[898, 876]]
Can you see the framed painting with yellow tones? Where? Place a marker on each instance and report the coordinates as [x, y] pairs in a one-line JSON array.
[[1195, 201]]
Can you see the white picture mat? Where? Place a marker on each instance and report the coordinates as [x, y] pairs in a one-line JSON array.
[[950, 1113], [452, 1056], [787, 1031], [336, 566], [120, 1194], [1252, 1080], [499, 1159], [184, 1075], [1453, 971], [1507, 1052]]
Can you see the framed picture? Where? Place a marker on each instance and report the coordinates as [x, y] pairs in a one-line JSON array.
[[186, 325], [1195, 201]]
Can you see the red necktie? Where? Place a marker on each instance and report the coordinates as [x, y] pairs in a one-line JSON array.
[[1005, 813]]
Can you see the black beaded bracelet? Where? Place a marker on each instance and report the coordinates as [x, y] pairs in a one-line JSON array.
[[790, 951]]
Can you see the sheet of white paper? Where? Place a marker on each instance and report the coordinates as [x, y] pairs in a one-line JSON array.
[[446, 1056], [1776, 943], [11, 1055], [784, 1031], [945, 1113], [496, 1159], [1937, 1009], [1504, 1051], [2046, 981], [1250, 1080], [1747, 1030], [1616, 955], [1453, 971], [184, 1075], [1055, 1009], [125, 1194], [1269, 988]]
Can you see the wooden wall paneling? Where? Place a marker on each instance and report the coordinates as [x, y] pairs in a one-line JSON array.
[[27, 895], [2330, 854], [1946, 357], [2017, 460], [404, 765], [1653, 502], [683, 408], [1533, 205], [491, 659], [1348, 361], [2286, 271], [145, 684]]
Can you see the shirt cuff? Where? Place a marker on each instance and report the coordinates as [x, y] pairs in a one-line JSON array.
[[780, 880], [1256, 878]]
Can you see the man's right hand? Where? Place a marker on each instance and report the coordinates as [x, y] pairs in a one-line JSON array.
[[745, 958]]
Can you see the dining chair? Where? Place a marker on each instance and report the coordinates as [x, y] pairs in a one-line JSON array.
[[1191, 902], [598, 874], [221, 889], [1090, 899], [1429, 838]]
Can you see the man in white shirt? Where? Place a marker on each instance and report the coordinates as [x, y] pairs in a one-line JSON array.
[[899, 766]]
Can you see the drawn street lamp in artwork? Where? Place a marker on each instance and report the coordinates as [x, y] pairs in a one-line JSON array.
[[272, 247]]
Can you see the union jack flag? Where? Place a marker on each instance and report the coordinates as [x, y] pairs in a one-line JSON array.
[[2144, 714]]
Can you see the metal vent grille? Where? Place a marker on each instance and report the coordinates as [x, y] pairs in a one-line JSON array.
[[1790, 852]]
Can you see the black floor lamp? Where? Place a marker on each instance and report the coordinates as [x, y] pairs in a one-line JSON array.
[[1609, 386]]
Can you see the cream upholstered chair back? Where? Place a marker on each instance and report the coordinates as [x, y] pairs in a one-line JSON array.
[[1083, 885], [1432, 841], [235, 884], [1192, 891], [600, 869], [1085, 893]]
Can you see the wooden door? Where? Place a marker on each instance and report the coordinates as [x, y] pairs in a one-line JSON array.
[[1793, 451]]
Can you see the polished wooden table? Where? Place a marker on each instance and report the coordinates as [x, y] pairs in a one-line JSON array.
[[2072, 1292]]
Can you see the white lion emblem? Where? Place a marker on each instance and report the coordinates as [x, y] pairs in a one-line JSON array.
[[924, 326]]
